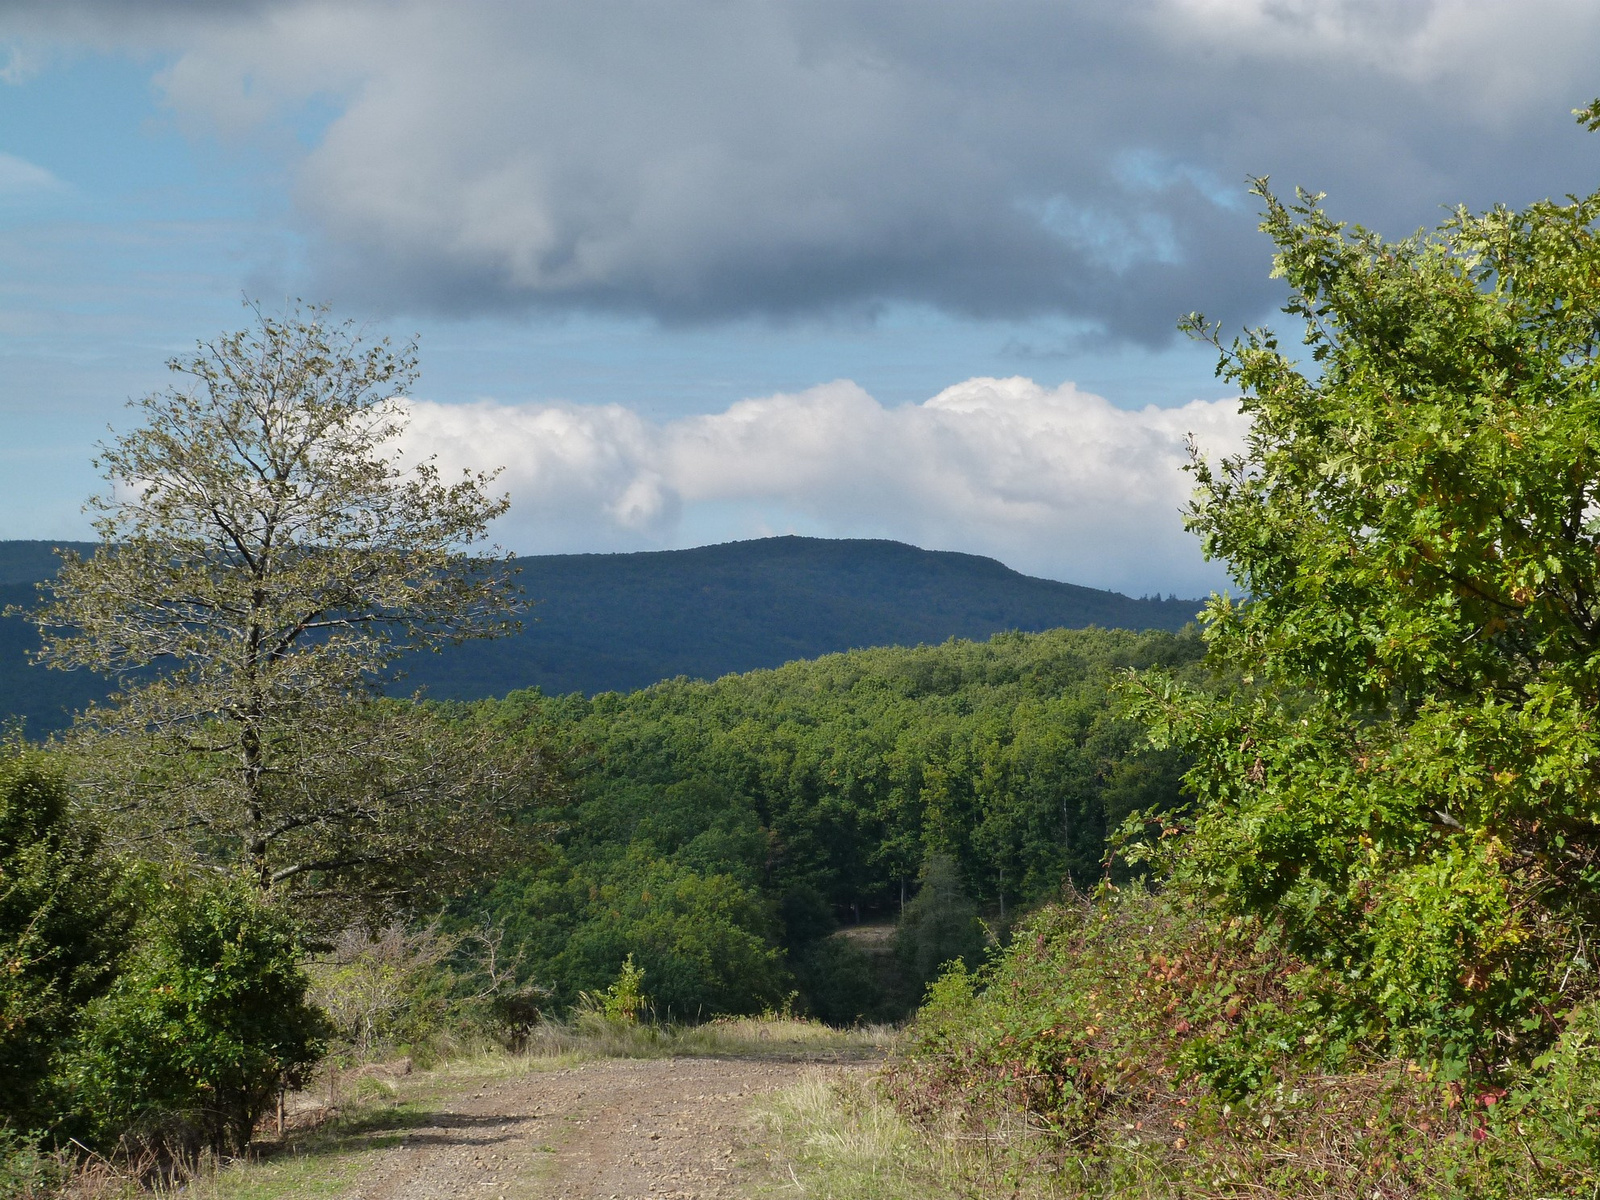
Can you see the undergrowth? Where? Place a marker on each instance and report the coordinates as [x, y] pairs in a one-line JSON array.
[[1135, 1046], [28, 1172], [842, 1137]]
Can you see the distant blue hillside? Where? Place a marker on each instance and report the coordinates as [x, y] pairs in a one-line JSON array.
[[615, 622]]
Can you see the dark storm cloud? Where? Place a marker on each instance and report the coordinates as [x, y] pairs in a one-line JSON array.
[[702, 161]]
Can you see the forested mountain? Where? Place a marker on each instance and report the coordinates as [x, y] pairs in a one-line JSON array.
[[43, 699], [720, 831], [615, 622]]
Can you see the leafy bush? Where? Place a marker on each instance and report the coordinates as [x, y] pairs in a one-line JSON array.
[[1099, 1008], [1144, 1045], [65, 912], [622, 1002], [208, 1022], [28, 1172]]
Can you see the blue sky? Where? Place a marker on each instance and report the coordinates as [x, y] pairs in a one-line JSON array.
[[703, 271]]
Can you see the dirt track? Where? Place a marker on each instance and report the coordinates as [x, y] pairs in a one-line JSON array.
[[617, 1128]]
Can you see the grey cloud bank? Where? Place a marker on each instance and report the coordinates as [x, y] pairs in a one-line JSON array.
[[699, 161]]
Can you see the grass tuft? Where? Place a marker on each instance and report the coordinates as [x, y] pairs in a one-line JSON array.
[[842, 1138]]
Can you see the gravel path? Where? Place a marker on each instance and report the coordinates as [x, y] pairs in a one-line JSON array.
[[616, 1129]]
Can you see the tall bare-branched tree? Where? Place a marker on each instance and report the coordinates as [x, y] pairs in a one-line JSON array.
[[267, 557]]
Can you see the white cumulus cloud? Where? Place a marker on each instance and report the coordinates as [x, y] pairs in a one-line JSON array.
[[1053, 481]]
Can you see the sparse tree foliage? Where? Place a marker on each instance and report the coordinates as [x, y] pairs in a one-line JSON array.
[[267, 557]]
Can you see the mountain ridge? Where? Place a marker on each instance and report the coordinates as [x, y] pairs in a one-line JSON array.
[[616, 622]]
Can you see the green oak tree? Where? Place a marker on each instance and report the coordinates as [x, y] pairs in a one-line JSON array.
[[209, 1020], [1406, 781]]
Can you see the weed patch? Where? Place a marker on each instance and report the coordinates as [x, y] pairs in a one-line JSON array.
[[1135, 1045]]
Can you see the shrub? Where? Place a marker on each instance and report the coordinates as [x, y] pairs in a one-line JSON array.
[[65, 912], [1140, 1044], [28, 1172], [385, 989], [516, 1012], [209, 1021], [1101, 1007], [621, 1003], [1403, 781]]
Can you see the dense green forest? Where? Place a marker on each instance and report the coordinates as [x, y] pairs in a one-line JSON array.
[[617, 622], [719, 832]]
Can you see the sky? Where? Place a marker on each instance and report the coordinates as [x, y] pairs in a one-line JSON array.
[[712, 270]]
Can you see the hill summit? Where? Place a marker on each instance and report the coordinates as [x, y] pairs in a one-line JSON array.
[[615, 622]]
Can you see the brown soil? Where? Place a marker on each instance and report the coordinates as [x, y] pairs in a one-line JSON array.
[[616, 1129]]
